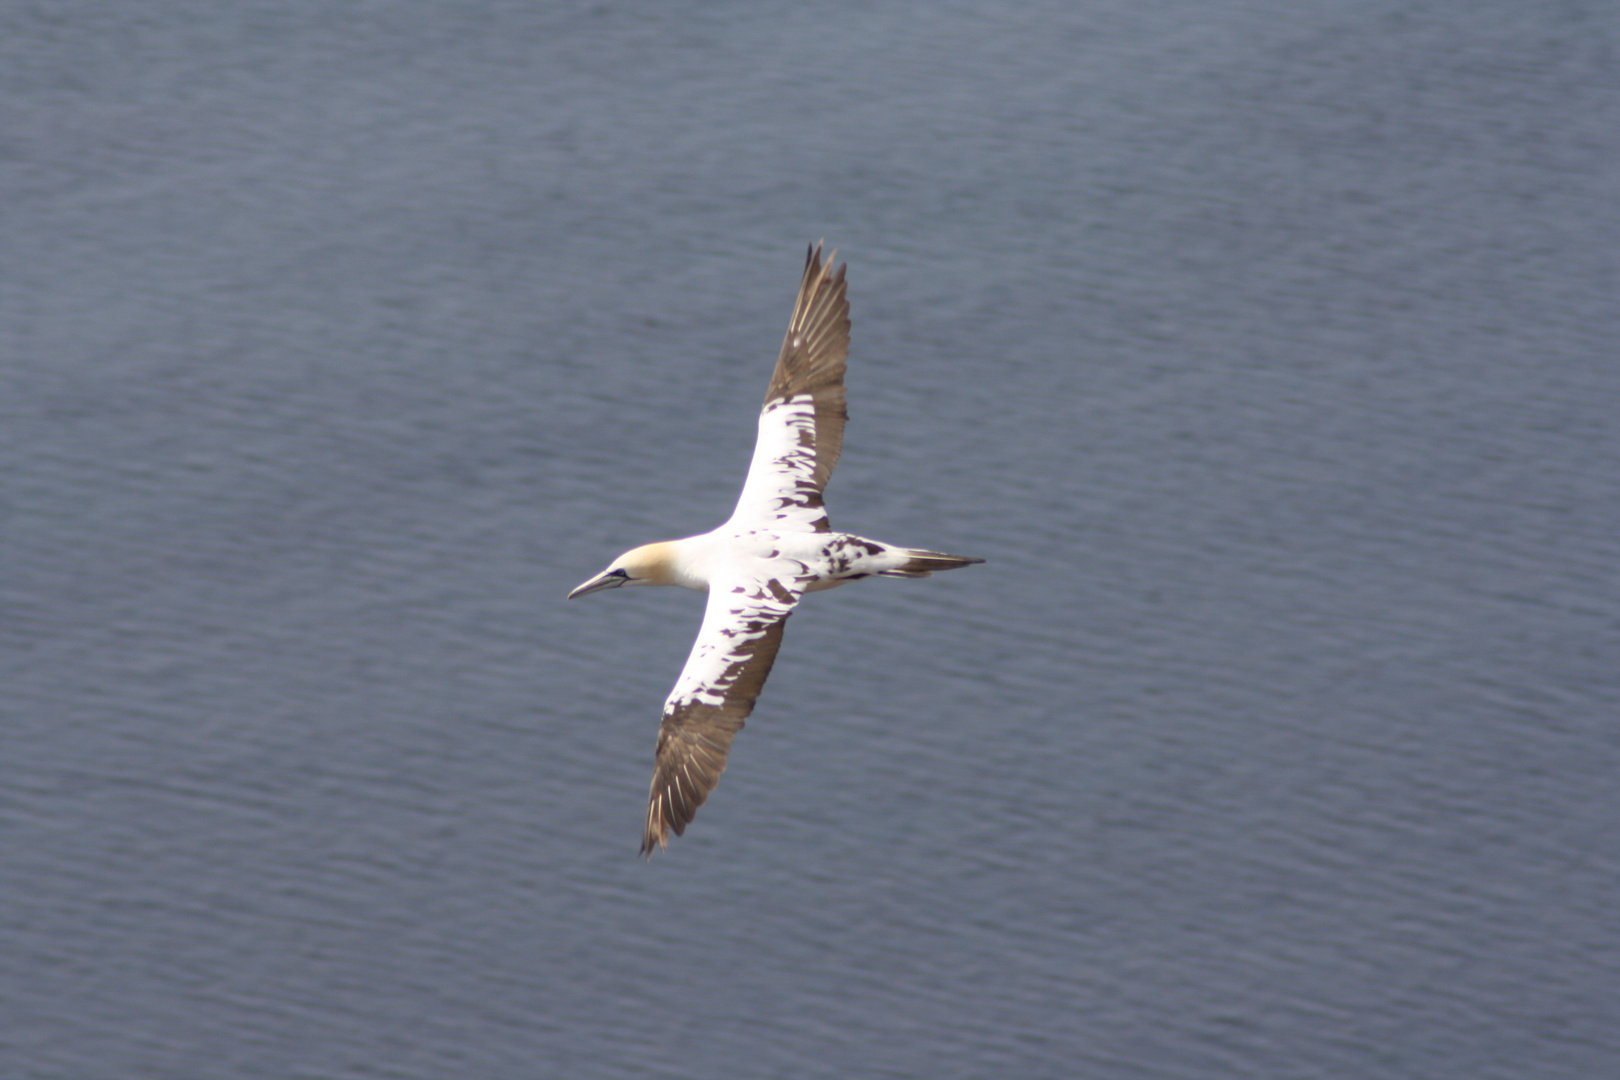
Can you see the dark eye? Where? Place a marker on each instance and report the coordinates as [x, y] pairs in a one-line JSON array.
[[620, 572]]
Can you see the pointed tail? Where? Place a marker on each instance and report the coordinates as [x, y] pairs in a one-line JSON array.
[[924, 563]]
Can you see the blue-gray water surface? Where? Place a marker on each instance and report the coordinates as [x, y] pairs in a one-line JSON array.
[[1267, 351]]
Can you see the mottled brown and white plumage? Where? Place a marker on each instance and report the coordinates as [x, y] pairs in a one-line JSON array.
[[776, 546]]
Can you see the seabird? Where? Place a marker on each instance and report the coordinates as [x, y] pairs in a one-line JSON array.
[[776, 547]]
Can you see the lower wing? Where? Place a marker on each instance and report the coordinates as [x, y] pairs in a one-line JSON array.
[[733, 654]]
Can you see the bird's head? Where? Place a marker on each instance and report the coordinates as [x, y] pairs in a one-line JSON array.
[[649, 564]]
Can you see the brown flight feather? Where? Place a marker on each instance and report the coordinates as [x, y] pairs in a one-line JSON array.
[[814, 354]]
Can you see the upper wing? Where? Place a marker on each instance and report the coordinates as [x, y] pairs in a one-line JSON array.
[[734, 651], [801, 428]]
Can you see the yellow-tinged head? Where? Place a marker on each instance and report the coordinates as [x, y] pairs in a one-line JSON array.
[[649, 564]]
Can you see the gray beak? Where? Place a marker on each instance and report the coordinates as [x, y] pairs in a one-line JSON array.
[[608, 579]]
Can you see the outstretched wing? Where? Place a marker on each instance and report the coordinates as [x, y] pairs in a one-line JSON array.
[[801, 428], [734, 651]]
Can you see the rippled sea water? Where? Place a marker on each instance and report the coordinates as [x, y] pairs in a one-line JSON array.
[[1266, 350]]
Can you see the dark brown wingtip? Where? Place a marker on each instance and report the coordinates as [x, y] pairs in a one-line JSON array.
[[656, 835], [816, 266]]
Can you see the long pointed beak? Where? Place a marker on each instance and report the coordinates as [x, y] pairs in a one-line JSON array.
[[608, 579]]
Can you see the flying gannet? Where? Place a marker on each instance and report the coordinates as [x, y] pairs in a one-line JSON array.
[[776, 547]]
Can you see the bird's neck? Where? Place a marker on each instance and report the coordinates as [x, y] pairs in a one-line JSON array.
[[685, 562]]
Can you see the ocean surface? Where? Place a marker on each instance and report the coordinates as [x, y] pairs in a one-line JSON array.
[[1268, 350]]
